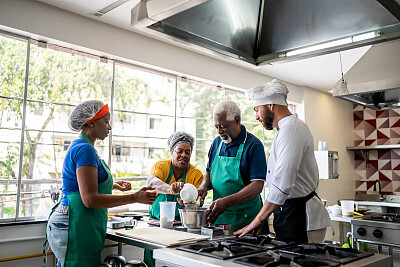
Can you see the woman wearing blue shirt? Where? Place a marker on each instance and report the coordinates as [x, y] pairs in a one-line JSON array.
[[76, 229]]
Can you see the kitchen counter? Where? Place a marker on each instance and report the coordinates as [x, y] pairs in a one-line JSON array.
[[340, 218], [377, 203], [173, 258], [111, 235]]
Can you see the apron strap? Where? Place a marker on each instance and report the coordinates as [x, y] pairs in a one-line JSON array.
[[171, 172]]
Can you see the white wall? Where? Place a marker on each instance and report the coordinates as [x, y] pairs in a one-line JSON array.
[[329, 119]]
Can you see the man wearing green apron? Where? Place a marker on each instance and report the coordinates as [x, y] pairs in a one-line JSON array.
[[235, 170]]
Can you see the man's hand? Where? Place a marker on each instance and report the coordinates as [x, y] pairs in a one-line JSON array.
[[201, 194], [253, 227], [217, 208], [122, 186], [176, 188]]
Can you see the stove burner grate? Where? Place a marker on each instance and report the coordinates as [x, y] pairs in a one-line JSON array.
[[388, 217]]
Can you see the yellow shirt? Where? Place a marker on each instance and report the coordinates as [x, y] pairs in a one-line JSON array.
[[161, 170]]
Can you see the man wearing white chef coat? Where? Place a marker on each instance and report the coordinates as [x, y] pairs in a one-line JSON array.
[[292, 172]]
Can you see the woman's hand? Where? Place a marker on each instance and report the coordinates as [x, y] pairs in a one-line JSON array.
[[146, 195], [176, 188], [122, 186]]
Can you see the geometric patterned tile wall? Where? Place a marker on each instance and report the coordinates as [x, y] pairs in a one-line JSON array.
[[372, 128]]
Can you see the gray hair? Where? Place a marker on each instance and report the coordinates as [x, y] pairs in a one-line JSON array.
[[230, 108], [82, 113], [180, 137]]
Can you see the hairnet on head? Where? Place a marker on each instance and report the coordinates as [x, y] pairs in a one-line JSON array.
[[274, 92], [180, 137], [82, 113]]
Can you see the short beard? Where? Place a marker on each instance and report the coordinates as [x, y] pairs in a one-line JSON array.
[[268, 121], [227, 141]]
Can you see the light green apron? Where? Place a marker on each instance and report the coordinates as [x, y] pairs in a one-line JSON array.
[[154, 209], [87, 227], [226, 180]]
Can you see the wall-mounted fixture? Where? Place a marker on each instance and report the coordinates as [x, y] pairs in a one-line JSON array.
[[328, 164], [268, 31]]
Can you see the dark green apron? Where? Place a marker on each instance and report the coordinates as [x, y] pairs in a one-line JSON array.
[[226, 180], [154, 212], [154, 209], [87, 227]]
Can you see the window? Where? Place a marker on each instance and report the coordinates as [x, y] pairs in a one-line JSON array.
[[148, 106], [66, 144]]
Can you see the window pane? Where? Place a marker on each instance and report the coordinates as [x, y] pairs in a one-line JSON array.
[[12, 67], [58, 80], [143, 92], [10, 139], [142, 121], [66, 77], [12, 80]]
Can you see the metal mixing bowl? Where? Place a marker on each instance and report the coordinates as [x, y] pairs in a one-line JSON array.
[[194, 219]]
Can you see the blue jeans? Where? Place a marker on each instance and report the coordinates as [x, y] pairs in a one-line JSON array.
[[57, 235]]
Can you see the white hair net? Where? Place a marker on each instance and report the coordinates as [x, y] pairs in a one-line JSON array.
[[274, 92], [180, 137], [82, 113], [229, 107]]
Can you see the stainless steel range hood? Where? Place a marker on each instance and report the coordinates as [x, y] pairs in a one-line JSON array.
[[264, 31], [374, 81]]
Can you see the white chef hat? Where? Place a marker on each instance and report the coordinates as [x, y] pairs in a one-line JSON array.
[[274, 92]]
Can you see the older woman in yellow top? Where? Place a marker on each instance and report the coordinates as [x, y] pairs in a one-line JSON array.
[[168, 176]]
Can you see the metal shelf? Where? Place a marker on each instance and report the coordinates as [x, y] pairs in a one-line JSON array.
[[373, 147], [365, 150]]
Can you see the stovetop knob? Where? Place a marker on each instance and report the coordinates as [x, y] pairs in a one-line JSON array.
[[377, 233], [361, 231]]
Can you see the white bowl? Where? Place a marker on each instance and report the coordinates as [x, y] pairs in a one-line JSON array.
[[188, 193]]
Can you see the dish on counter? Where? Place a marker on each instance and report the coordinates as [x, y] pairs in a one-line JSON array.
[[135, 215]]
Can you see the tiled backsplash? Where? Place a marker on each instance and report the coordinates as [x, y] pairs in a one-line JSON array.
[[373, 128]]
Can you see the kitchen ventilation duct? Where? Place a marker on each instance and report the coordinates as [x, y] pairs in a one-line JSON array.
[[265, 31], [374, 81]]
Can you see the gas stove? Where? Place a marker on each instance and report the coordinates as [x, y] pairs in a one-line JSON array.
[[267, 251], [383, 228], [304, 255], [232, 247]]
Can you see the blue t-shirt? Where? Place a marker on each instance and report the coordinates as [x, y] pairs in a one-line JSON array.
[[253, 164], [80, 153]]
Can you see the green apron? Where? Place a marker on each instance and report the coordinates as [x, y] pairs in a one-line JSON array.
[[226, 180], [87, 227], [154, 212], [154, 209]]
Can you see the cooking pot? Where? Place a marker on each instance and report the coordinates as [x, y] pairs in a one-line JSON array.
[[194, 219]]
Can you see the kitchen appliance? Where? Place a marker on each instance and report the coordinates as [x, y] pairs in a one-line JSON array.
[[304, 255], [380, 229], [328, 164], [255, 31], [232, 247]]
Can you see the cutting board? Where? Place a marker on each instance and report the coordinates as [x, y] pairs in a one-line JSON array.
[[162, 236]]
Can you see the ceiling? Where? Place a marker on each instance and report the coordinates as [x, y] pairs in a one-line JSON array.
[[320, 72]]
